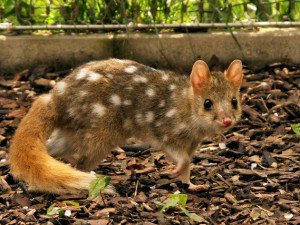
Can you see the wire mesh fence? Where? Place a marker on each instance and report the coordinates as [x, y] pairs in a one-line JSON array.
[[143, 14]]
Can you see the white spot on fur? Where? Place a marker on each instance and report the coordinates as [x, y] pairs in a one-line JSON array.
[[215, 81], [171, 112], [129, 88], [93, 76], [162, 103], [119, 60], [180, 127], [109, 75], [139, 118], [127, 102], [99, 109], [61, 87], [72, 112], [91, 62], [115, 99], [172, 87], [47, 98], [82, 93], [158, 123], [149, 116], [130, 69], [141, 79], [81, 74], [165, 76], [150, 92]]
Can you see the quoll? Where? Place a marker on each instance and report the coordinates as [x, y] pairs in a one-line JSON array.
[[102, 103]]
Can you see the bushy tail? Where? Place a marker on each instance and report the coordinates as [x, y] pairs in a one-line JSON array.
[[29, 157]]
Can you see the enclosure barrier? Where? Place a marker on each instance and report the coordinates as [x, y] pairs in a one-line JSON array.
[[146, 14], [10, 27]]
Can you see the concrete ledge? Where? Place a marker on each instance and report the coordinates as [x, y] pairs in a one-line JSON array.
[[163, 51], [21, 52], [258, 49]]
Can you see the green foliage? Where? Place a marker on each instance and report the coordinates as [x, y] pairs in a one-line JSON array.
[[76, 204], [97, 186], [178, 201], [145, 11], [52, 210], [296, 128], [60, 210]]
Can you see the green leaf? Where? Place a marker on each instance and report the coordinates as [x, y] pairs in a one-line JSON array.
[[76, 204], [9, 7], [182, 198], [296, 128], [189, 215], [159, 203], [61, 213], [52, 210], [97, 186], [174, 201], [170, 202]]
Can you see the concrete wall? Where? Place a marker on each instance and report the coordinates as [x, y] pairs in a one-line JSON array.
[[168, 50], [181, 50], [23, 52]]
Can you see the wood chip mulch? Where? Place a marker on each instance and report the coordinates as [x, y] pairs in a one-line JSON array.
[[252, 171]]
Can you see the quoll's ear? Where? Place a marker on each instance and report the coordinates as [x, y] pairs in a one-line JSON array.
[[235, 73], [200, 76]]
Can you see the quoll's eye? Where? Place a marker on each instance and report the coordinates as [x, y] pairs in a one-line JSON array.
[[208, 104], [234, 102]]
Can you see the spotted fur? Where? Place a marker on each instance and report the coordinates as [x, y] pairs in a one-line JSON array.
[[102, 103]]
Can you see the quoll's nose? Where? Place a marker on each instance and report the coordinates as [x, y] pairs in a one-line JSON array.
[[227, 121]]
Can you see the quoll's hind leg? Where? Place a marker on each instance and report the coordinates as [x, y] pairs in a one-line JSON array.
[[94, 157], [89, 162], [59, 145], [95, 146]]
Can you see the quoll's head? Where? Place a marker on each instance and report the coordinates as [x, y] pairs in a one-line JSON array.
[[216, 95]]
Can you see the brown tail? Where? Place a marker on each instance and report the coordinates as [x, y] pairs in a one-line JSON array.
[[29, 157]]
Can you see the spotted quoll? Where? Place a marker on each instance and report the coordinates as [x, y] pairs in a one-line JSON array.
[[102, 103]]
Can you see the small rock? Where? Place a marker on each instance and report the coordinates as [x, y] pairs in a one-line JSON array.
[[274, 119], [222, 146], [68, 213], [45, 82]]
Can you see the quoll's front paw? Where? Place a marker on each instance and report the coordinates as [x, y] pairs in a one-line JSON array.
[[193, 187]]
